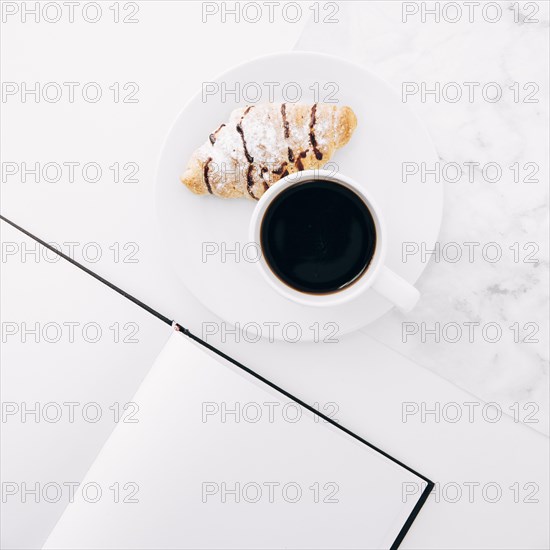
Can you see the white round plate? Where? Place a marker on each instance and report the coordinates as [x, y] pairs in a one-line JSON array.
[[194, 227]]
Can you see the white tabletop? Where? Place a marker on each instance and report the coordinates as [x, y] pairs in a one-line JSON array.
[[381, 385]]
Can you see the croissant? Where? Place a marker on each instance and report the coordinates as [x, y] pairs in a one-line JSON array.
[[260, 144]]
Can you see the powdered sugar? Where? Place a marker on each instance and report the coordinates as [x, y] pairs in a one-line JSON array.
[[262, 143]]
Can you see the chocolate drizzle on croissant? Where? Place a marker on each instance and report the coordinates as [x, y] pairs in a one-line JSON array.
[[212, 136], [299, 163], [206, 170], [313, 141], [250, 182], [239, 128], [286, 127], [262, 143]]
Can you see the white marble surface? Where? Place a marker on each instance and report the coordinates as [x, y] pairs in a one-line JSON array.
[[512, 371]]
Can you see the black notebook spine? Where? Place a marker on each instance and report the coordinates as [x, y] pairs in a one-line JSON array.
[[180, 328]]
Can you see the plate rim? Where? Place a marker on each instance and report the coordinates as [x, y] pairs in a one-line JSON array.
[[351, 65]]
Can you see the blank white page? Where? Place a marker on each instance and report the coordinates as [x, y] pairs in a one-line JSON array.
[[218, 459]]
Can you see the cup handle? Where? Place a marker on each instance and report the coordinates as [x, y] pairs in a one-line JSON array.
[[398, 291]]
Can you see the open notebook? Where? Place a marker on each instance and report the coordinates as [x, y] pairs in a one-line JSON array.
[[220, 460], [223, 458]]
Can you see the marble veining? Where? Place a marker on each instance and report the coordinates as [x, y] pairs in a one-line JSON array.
[[474, 294]]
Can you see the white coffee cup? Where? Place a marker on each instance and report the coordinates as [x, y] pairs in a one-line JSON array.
[[384, 281]]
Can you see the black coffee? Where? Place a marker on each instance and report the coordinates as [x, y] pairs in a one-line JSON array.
[[318, 236]]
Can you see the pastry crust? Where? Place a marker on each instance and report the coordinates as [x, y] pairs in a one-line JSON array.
[[261, 144]]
